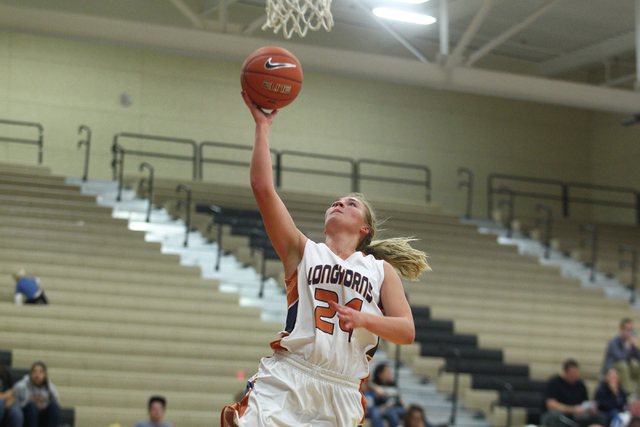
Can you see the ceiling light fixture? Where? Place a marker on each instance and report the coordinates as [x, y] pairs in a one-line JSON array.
[[415, 18]]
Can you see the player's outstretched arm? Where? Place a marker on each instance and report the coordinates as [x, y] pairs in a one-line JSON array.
[[397, 326], [286, 239]]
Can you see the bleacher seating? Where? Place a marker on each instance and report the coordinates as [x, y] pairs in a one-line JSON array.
[[124, 321], [567, 238], [514, 319]]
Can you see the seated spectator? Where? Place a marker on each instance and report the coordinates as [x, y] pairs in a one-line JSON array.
[[38, 398], [383, 398], [157, 406], [414, 417], [28, 290], [622, 354], [610, 397], [565, 398], [623, 419], [10, 414]]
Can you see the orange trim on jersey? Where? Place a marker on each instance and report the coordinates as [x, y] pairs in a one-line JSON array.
[[292, 288], [228, 412], [362, 398], [275, 345]]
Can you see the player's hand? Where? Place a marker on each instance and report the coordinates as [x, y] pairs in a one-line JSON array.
[[259, 115], [350, 318]]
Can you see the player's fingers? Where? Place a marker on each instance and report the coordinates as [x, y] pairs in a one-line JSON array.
[[273, 114], [246, 99]]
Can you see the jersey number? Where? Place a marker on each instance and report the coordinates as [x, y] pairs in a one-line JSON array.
[[328, 313]]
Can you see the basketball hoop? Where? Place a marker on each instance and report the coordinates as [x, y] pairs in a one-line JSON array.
[[298, 16]]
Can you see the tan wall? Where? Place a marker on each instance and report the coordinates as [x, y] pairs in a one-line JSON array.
[[615, 161], [64, 83]]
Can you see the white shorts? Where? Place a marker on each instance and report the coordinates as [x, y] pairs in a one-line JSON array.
[[289, 391]]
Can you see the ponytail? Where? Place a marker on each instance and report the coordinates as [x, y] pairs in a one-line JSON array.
[[396, 251], [408, 261]]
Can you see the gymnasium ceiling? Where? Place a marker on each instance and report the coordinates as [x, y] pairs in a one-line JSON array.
[[584, 41]]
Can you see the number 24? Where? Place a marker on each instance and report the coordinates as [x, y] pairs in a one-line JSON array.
[[322, 313]]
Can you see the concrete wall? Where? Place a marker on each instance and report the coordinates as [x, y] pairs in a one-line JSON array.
[[63, 83]]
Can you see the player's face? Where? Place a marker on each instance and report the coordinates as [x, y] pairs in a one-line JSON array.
[[348, 211]]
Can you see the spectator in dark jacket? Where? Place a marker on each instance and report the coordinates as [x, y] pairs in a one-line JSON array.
[[610, 397], [10, 413], [566, 399]]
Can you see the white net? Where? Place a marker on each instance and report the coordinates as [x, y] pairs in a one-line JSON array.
[[298, 16]]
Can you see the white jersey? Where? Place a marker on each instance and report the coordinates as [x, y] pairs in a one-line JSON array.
[[313, 330]]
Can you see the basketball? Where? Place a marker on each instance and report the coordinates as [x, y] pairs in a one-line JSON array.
[[272, 77]]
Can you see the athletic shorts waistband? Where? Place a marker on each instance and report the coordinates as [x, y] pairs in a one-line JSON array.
[[316, 371]]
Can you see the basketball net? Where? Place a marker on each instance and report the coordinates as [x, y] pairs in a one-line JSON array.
[[298, 16]]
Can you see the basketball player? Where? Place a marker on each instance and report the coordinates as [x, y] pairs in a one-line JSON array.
[[336, 292]]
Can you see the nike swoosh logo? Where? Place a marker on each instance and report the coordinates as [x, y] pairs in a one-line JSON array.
[[275, 65]]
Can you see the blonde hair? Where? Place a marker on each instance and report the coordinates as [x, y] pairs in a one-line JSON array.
[[19, 273], [396, 251]]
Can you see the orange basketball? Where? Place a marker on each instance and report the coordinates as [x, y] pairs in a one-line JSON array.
[[272, 77]]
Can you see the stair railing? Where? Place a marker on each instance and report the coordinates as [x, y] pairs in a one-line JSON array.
[[592, 242], [87, 143], [468, 184], [38, 142], [187, 204], [149, 184], [456, 377], [633, 264], [510, 397], [193, 158], [118, 167], [548, 222], [510, 202]]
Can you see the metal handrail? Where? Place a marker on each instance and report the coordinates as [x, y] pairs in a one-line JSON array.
[[456, 374], [593, 244], [548, 220], [39, 142], [187, 204], [118, 162], [202, 159], [469, 185], [510, 395], [281, 168], [634, 268], [426, 183], [491, 190], [511, 204], [87, 142], [149, 183], [193, 158], [564, 193]]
